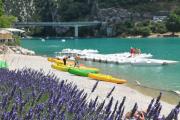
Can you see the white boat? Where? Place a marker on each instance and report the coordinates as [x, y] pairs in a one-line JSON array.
[[80, 52], [63, 40], [123, 61], [152, 62], [128, 55], [73, 52], [118, 58], [103, 59], [42, 39]]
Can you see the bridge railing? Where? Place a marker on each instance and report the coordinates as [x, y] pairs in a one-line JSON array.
[[69, 24]]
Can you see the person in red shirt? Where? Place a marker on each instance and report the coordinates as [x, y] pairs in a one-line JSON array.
[[132, 51]]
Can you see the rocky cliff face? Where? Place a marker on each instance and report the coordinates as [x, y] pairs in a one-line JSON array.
[[71, 10], [48, 10], [116, 15], [66, 10], [23, 9]]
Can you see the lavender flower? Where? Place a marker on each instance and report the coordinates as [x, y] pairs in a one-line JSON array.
[[94, 87], [120, 107], [158, 98], [150, 105], [108, 107], [30, 94], [174, 113], [13, 91], [121, 115], [109, 94], [113, 113], [134, 110], [99, 109], [94, 104]]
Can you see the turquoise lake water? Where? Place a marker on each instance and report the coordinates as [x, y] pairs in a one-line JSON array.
[[161, 77]]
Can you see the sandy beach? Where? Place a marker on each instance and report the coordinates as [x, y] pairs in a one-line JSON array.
[[17, 61]]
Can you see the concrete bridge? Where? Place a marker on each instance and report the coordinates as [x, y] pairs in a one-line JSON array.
[[76, 25]]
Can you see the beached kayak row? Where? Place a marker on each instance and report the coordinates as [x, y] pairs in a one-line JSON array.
[[84, 71], [117, 58]]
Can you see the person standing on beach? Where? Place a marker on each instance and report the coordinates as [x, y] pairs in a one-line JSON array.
[[139, 51], [132, 51], [76, 63], [65, 59]]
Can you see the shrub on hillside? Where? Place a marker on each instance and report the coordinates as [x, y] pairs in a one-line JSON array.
[[144, 31], [158, 27]]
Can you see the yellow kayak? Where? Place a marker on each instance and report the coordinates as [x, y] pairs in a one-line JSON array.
[[66, 67], [59, 61], [51, 59], [60, 67], [106, 78], [55, 60], [89, 68]]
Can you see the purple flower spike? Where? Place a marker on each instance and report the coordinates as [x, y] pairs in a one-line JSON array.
[[99, 109], [94, 87], [108, 107], [120, 107], [109, 94], [4, 100], [158, 98], [94, 104], [150, 105], [13, 91], [134, 110], [121, 115]]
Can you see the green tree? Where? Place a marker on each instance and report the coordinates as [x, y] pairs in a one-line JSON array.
[[173, 21], [6, 21], [1, 8], [144, 31], [158, 27]]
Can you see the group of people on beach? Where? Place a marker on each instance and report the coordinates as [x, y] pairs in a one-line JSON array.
[[76, 58], [134, 51]]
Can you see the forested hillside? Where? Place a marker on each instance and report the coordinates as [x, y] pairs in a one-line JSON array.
[[70, 10], [49, 10], [115, 12]]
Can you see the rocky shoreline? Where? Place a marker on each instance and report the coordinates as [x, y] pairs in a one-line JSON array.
[[151, 36], [15, 50]]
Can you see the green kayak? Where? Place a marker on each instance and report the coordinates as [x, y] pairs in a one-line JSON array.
[[3, 64], [80, 72]]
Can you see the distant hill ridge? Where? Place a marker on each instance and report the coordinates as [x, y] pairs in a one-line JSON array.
[[124, 17], [68, 10]]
